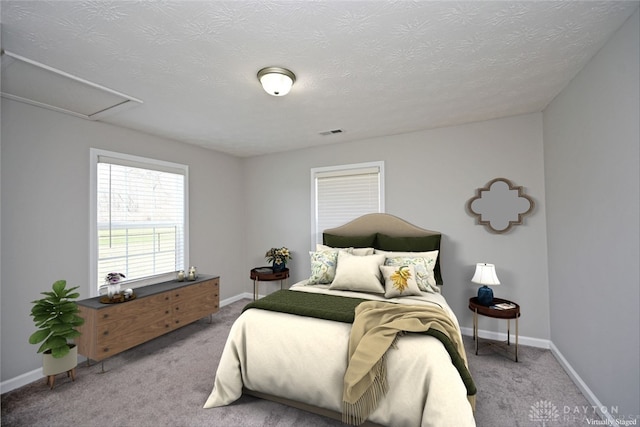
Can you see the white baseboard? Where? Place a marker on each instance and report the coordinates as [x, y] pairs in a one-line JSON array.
[[502, 336], [586, 391], [21, 380], [227, 301]]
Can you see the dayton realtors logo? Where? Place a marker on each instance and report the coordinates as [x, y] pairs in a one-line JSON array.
[[544, 412]]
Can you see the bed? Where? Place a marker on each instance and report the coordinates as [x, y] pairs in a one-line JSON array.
[[303, 347]]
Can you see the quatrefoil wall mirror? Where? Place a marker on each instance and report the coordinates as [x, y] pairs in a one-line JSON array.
[[500, 205]]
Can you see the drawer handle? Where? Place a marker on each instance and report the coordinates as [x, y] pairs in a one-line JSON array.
[[166, 298], [104, 316], [166, 312], [105, 333], [106, 349], [177, 321], [177, 308], [177, 295]]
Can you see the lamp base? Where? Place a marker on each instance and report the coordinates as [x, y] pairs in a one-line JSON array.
[[485, 296]]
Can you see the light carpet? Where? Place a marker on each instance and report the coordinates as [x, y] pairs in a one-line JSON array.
[[165, 382]]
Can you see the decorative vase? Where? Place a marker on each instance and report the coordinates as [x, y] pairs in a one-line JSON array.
[[113, 289], [485, 296], [278, 267]]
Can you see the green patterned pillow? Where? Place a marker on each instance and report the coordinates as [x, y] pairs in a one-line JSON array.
[[423, 265], [323, 267]]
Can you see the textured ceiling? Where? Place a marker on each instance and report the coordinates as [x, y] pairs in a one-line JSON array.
[[370, 68]]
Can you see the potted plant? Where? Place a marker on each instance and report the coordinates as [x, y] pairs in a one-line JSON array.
[[56, 317], [278, 257]]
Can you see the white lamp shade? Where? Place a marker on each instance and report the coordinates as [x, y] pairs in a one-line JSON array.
[[485, 274], [276, 81]]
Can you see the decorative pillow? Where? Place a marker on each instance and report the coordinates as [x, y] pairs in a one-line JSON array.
[[399, 281], [413, 244], [336, 241], [358, 273], [423, 263], [323, 266], [354, 251]]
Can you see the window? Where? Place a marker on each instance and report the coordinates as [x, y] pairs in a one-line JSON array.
[[343, 193], [139, 218]]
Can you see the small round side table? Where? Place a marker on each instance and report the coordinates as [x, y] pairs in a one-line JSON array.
[[491, 311], [266, 274]]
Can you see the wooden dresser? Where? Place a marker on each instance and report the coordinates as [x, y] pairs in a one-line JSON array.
[[157, 309]]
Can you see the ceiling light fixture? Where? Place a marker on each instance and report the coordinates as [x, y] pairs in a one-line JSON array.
[[276, 81]]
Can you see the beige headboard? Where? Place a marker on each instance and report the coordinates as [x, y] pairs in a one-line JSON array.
[[380, 223], [385, 232]]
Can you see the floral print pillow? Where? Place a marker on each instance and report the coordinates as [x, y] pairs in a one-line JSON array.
[[423, 267], [323, 267]]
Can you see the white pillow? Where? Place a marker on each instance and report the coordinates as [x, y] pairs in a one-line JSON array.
[[358, 273], [399, 281], [354, 251], [423, 262]]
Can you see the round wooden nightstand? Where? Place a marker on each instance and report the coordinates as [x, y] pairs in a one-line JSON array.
[[266, 274], [492, 311]]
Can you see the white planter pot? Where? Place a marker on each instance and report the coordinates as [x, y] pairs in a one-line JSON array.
[[52, 366]]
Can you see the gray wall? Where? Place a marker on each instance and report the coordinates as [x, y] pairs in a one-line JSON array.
[[591, 142], [430, 176], [45, 212]]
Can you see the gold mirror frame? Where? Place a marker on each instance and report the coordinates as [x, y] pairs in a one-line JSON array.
[[500, 205]]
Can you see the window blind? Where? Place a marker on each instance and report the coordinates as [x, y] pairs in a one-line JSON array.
[[140, 218], [345, 193]]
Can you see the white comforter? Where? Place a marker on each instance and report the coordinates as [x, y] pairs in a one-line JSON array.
[[304, 359]]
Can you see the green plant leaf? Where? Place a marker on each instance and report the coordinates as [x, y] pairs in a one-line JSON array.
[[58, 287], [58, 352], [61, 328], [38, 336], [55, 341]]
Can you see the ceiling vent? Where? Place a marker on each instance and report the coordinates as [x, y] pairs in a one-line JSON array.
[[330, 132], [38, 84]]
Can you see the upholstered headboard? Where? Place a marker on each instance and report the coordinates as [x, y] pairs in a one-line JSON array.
[[385, 232]]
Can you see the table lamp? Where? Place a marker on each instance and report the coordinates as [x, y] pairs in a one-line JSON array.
[[485, 275]]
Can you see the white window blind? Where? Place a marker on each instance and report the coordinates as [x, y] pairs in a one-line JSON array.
[[140, 217], [344, 193]]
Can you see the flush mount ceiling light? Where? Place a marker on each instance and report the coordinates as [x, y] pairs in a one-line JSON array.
[[276, 81]]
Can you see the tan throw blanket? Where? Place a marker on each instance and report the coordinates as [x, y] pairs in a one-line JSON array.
[[375, 328]]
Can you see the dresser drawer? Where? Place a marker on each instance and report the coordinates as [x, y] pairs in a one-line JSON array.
[[131, 310]]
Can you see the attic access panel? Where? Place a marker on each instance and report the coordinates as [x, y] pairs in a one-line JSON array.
[[38, 84]]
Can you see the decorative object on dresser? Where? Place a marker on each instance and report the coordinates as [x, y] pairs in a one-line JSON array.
[[112, 281], [278, 257], [57, 316], [158, 309], [485, 275], [193, 273], [500, 205]]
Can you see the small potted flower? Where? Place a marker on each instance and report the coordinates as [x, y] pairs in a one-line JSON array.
[[278, 258], [112, 280]]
